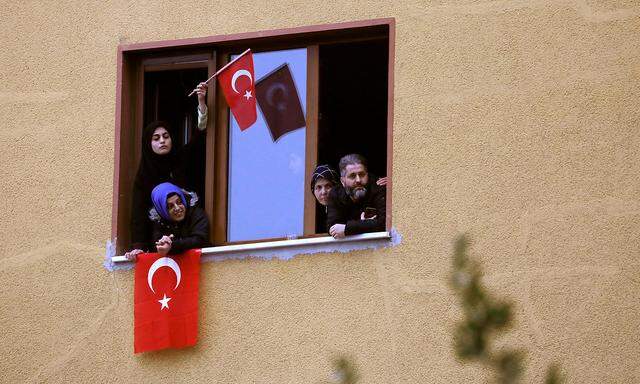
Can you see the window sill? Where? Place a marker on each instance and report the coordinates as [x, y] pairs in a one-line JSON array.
[[289, 248]]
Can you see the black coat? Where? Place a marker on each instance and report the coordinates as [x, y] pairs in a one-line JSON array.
[[342, 210], [321, 218], [192, 232], [155, 169]]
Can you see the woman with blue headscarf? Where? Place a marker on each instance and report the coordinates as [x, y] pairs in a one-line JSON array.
[[177, 226]]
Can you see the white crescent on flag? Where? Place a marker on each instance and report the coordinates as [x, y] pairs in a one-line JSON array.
[[240, 72], [271, 91], [163, 262]]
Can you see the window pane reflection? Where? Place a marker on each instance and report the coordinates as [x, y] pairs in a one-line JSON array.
[[266, 177]]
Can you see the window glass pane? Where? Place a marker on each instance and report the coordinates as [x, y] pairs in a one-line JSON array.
[[266, 177]]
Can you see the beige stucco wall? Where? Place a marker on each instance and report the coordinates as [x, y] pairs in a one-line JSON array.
[[515, 121]]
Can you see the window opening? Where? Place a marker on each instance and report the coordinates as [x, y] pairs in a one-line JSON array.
[[352, 108], [344, 96]]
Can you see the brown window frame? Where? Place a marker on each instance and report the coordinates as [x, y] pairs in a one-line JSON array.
[[133, 60]]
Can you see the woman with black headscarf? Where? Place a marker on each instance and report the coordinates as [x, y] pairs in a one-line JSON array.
[[323, 180]]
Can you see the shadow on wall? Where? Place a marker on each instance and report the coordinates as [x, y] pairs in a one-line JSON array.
[[485, 318]]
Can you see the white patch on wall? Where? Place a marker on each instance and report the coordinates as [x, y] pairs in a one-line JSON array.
[[296, 164]]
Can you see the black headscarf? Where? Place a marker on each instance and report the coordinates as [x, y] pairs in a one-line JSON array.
[[154, 169], [324, 171]]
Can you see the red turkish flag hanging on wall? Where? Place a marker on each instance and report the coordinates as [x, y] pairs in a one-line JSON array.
[[237, 83], [165, 313]]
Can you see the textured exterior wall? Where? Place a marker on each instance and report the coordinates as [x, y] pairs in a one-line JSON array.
[[515, 121]]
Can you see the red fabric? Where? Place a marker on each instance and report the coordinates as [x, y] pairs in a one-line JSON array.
[[174, 326], [242, 100]]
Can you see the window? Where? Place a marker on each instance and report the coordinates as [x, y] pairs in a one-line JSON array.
[[254, 185]]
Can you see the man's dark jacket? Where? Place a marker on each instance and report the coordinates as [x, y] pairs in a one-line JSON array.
[[343, 210]]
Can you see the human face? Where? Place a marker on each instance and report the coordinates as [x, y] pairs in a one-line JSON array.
[[355, 180], [175, 207], [321, 190], [161, 141]]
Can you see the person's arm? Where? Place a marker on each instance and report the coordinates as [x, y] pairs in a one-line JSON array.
[[376, 224], [202, 117], [163, 245], [201, 90], [197, 237], [161, 239]]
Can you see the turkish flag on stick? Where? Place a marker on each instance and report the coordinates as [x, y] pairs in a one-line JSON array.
[[165, 313], [237, 83]]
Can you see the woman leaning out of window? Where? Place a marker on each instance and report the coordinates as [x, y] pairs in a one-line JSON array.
[[178, 223]]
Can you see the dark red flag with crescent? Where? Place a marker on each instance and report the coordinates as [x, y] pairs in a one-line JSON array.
[[165, 313], [280, 103], [237, 83]]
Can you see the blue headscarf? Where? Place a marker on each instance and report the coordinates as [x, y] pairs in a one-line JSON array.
[[159, 198]]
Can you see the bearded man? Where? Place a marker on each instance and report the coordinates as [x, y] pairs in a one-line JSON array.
[[360, 205]]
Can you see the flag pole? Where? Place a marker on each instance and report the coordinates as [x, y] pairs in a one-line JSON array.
[[223, 68]]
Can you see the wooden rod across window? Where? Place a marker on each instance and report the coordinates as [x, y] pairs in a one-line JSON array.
[[221, 156], [390, 84], [311, 146], [210, 158]]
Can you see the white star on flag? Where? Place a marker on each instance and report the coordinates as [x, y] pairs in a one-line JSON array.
[[247, 95], [164, 302]]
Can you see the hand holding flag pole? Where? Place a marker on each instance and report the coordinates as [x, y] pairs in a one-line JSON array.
[[221, 69]]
